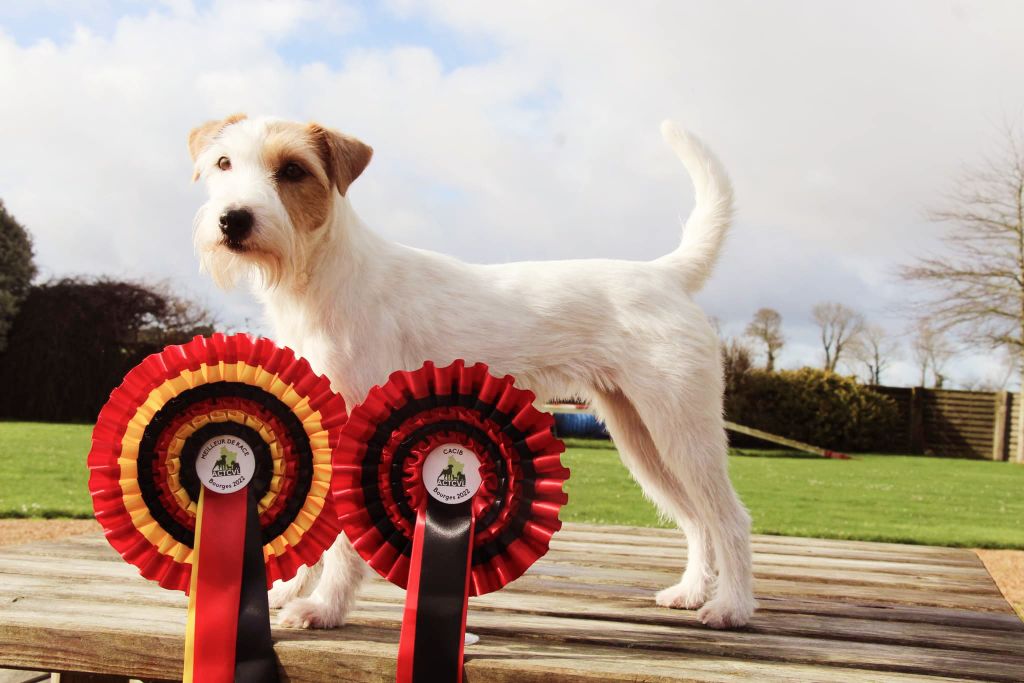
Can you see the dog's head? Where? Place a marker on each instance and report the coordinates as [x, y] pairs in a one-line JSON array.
[[273, 187]]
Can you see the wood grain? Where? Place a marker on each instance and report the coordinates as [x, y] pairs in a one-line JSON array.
[[830, 611]]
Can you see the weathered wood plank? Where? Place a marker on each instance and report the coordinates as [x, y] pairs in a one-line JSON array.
[[795, 551], [619, 535], [646, 560], [776, 439], [800, 546], [314, 657], [773, 623], [923, 581], [384, 621], [378, 592], [560, 581], [580, 584], [568, 578], [674, 556], [613, 554]]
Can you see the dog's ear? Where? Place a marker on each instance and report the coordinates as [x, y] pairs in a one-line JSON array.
[[344, 157], [201, 136]]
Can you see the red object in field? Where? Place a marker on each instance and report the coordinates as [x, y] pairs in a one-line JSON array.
[[836, 455]]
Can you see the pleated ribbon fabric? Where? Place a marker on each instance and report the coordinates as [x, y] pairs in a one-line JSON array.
[[211, 471], [448, 482]]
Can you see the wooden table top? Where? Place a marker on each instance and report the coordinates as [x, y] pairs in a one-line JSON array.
[[830, 611]]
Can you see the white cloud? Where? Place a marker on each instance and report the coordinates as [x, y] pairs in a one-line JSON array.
[[840, 124]]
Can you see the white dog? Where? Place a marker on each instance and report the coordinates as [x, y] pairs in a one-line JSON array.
[[624, 335]]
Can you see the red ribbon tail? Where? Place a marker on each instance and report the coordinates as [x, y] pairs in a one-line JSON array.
[[216, 586], [432, 644]]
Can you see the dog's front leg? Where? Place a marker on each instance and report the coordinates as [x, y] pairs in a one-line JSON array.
[[284, 592], [335, 593]]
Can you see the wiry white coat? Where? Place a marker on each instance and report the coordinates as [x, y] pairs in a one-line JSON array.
[[624, 335]]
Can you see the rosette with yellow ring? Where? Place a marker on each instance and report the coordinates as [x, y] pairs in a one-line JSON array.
[[449, 484], [211, 472]]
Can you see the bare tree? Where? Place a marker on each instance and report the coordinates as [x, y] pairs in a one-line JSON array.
[[766, 328], [839, 325], [932, 351], [875, 349], [977, 286], [736, 363]]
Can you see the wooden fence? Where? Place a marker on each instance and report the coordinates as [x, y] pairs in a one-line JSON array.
[[973, 424]]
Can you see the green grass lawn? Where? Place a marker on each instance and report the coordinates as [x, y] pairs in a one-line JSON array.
[[42, 470], [875, 497], [903, 499]]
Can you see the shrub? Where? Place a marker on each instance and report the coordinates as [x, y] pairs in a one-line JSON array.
[[814, 406], [73, 340]]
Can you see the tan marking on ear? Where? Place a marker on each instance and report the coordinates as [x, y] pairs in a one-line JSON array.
[[201, 136], [308, 200], [344, 156]]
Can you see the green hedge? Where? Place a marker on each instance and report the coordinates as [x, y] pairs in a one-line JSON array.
[[814, 406]]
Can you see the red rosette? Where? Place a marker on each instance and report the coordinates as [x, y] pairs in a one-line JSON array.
[[378, 482], [145, 496]]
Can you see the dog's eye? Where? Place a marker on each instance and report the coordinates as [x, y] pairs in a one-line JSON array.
[[292, 171], [224, 164]]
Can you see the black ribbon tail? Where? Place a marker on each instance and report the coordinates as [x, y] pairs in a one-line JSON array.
[[255, 661], [443, 593]]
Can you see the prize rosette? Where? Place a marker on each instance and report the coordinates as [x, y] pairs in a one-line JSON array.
[[211, 472], [448, 482]]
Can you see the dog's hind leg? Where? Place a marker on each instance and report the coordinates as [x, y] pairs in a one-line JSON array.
[[689, 434], [638, 453], [335, 592]]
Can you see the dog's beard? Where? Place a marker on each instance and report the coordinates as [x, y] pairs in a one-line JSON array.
[[265, 265], [228, 267]]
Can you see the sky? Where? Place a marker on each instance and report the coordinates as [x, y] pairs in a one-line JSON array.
[[528, 130]]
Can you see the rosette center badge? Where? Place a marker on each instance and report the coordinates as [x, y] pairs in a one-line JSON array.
[[225, 464], [451, 473]]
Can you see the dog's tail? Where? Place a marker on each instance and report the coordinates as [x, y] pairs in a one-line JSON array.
[[705, 229]]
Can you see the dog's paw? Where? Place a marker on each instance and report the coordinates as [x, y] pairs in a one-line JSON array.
[[309, 613], [684, 595], [282, 593], [720, 613]]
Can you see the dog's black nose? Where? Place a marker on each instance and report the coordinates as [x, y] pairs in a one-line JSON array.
[[236, 224]]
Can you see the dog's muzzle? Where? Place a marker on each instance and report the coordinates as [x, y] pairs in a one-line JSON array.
[[236, 225]]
